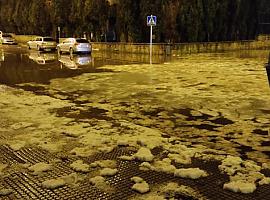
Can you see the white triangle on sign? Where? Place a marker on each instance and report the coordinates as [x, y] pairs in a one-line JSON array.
[[151, 21]]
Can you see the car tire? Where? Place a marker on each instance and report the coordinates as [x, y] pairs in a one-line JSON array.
[[39, 48]]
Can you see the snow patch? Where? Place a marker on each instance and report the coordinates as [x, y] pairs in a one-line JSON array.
[[265, 166], [243, 174], [106, 163], [265, 181], [145, 166], [137, 179], [164, 166], [240, 186], [128, 158], [108, 172], [5, 192], [53, 183], [100, 183], [144, 154], [193, 173], [17, 145], [82, 151], [38, 168], [79, 166], [141, 187], [70, 179], [123, 142], [180, 158]]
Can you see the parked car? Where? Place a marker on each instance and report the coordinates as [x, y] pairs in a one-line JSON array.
[[74, 45], [42, 43], [6, 38]]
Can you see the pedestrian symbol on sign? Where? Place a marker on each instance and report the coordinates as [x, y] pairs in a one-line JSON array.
[[151, 20]]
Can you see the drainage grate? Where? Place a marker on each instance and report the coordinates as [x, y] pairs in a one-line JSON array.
[[8, 156], [27, 186]]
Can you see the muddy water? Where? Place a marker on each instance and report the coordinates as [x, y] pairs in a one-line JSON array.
[[219, 100]]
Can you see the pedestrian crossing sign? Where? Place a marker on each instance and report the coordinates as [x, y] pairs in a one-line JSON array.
[[151, 20]]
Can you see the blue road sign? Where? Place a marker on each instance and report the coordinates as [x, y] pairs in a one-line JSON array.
[[151, 20]]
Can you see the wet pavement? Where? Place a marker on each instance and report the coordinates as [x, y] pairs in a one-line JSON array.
[[52, 104]]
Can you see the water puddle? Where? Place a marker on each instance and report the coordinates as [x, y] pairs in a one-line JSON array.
[[18, 65]]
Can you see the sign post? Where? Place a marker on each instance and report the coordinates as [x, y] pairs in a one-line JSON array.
[[151, 21]]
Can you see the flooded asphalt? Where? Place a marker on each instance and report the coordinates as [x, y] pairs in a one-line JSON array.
[[219, 100], [20, 65]]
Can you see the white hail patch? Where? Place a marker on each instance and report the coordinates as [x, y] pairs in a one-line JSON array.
[[193, 173], [38, 168], [79, 166]]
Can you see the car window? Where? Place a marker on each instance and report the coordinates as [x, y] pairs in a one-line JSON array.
[[48, 39], [81, 41], [7, 35]]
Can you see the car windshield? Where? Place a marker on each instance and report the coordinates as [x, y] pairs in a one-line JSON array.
[[7, 35], [48, 39], [82, 41]]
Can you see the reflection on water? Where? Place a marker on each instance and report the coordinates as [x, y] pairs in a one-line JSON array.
[[258, 55], [19, 65], [42, 58], [18, 68], [2, 56], [75, 61]]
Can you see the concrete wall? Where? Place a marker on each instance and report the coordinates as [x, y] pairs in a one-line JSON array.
[[136, 48], [24, 38], [182, 48]]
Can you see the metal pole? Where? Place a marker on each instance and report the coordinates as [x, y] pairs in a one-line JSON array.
[[151, 37], [59, 33]]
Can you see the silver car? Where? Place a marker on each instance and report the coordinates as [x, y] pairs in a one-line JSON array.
[[74, 45], [6, 38], [42, 43]]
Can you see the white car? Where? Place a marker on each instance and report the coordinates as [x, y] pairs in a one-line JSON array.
[[74, 45], [6, 38], [42, 43]]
